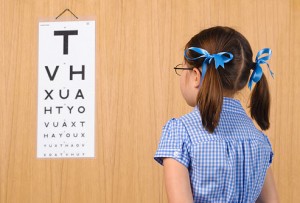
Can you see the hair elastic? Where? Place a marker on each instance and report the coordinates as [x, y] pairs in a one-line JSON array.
[[257, 70], [219, 58]]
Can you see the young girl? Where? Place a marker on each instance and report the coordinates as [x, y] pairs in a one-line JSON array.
[[215, 153]]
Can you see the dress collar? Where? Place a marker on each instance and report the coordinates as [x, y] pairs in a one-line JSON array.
[[230, 104]]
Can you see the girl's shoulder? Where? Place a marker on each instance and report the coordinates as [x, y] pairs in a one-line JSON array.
[[189, 124], [240, 128], [192, 117]]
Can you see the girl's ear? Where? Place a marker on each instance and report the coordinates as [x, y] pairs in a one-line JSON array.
[[197, 77]]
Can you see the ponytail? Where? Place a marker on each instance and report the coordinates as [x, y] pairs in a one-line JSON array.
[[260, 103], [210, 99]]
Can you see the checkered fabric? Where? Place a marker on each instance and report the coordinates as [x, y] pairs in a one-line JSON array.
[[228, 165]]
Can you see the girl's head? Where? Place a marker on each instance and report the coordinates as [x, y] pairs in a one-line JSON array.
[[207, 92]]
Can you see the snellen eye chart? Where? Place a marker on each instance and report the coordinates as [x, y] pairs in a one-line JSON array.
[[66, 90]]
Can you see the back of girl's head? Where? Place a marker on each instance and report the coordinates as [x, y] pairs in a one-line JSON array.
[[218, 82]]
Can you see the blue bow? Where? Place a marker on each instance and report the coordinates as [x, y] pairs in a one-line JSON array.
[[257, 71], [219, 58]]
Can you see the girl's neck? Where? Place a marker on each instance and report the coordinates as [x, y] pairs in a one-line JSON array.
[[228, 94]]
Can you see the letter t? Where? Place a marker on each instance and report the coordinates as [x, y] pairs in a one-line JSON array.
[[66, 34]]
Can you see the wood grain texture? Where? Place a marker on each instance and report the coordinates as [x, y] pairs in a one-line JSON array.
[[138, 43]]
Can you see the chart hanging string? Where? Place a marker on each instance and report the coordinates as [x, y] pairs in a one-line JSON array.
[[64, 12]]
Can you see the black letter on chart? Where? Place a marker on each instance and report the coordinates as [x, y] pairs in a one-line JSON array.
[[79, 94], [51, 77], [48, 94], [66, 34], [82, 72]]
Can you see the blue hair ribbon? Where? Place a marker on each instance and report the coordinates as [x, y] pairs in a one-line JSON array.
[[219, 58], [257, 71]]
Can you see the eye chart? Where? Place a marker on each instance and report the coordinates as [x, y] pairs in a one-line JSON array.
[[66, 89]]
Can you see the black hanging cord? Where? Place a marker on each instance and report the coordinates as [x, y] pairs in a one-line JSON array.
[[64, 12]]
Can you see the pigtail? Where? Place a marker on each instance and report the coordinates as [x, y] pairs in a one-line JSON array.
[[260, 103], [210, 99]]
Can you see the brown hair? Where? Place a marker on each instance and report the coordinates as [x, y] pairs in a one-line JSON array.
[[230, 79]]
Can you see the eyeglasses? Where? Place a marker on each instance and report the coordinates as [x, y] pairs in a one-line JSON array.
[[179, 68]]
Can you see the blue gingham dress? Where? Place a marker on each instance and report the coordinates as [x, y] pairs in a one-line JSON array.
[[228, 165]]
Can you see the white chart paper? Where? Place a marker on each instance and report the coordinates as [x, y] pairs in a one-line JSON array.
[[66, 90]]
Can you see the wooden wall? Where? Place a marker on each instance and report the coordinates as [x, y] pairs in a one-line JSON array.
[[138, 43]]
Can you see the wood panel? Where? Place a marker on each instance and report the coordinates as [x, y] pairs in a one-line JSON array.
[[138, 43]]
